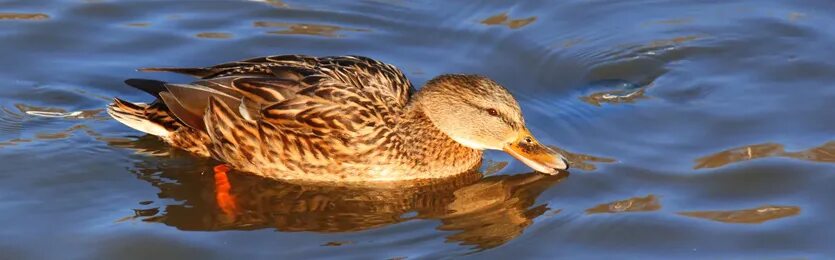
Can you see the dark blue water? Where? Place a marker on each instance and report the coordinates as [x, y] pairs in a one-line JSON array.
[[699, 129]]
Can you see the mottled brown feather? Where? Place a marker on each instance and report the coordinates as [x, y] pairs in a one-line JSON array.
[[341, 118]]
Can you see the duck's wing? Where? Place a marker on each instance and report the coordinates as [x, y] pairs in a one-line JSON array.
[[361, 72], [309, 116], [188, 102], [322, 121]]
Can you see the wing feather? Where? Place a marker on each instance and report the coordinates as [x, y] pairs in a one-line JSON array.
[[361, 72], [185, 116], [293, 111]]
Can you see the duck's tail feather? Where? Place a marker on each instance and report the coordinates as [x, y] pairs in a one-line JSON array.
[[153, 87], [136, 116], [194, 72]]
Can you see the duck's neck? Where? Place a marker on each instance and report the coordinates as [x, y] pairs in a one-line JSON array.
[[427, 148]]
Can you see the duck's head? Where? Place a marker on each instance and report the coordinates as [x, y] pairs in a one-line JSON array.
[[481, 114]]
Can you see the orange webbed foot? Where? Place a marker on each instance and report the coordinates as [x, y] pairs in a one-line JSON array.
[[225, 200]]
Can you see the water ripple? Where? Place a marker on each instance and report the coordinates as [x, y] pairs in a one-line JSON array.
[[10, 122]]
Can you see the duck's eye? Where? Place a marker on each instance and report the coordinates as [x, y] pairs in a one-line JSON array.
[[492, 112]]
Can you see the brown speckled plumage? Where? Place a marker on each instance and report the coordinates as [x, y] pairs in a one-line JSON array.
[[346, 119]]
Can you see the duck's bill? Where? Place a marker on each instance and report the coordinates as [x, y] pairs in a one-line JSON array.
[[535, 155]]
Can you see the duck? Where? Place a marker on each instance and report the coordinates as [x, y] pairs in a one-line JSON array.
[[334, 119]]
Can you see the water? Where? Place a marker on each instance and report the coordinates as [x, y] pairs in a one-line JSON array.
[[701, 129]]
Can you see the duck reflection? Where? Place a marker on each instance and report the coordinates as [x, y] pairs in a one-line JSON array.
[[484, 212], [823, 153]]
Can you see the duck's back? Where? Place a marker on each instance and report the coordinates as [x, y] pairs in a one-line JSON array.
[[288, 117], [358, 71]]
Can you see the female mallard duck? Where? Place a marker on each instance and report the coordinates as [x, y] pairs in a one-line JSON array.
[[335, 119]]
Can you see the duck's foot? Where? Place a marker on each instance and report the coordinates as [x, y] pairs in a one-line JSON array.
[[225, 200]]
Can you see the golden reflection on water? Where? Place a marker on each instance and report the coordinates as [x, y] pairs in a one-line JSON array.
[[823, 153], [503, 19], [213, 35], [746, 216], [635, 204], [673, 41], [24, 16], [306, 29], [275, 3], [337, 243]]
